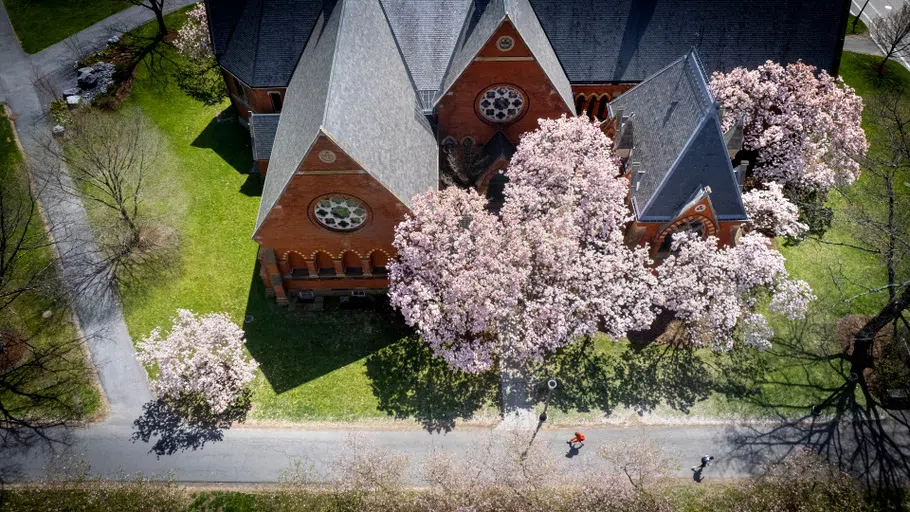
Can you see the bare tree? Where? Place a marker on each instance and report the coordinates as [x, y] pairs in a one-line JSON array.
[[157, 7], [891, 33], [466, 162], [112, 162], [641, 460]]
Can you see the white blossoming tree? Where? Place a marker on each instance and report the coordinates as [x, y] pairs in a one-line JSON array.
[[771, 213], [714, 291], [200, 359], [198, 74]]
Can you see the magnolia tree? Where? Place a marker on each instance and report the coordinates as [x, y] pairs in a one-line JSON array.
[[197, 73], [202, 358], [193, 39], [771, 213], [804, 129], [714, 291], [551, 269]]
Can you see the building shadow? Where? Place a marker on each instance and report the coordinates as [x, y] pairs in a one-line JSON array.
[[295, 347], [411, 383], [252, 187], [177, 427], [225, 136]]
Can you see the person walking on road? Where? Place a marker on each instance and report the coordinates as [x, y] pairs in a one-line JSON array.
[[705, 462], [579, 438]]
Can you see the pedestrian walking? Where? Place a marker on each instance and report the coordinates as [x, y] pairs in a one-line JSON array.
[[705, 462], [579, 438]]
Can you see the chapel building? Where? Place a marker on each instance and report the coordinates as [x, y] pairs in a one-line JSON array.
[[352, 104]]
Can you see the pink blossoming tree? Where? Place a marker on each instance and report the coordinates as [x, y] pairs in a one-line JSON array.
[[193, 39], [804, 129], [201, 357], [551, 269], [771, 213], [714, 291]]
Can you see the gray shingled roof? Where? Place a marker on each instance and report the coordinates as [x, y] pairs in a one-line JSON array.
[[629, 40], [304, 109], [426, 31], [262, 131], [352, 84], [223, 16], [267, 40], [522, 16], [677, 144]]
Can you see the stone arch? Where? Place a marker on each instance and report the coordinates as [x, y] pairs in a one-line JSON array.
[[379, 262], [296, 263], [592, 105], [325, 265], [699, 224], [352, 263]]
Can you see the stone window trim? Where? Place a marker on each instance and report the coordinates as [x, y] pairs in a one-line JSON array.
[[488, 109], [708, 225], [324, 217], [505, 43]]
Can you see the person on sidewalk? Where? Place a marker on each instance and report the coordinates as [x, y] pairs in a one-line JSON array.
[[579, 438], [705, 462]]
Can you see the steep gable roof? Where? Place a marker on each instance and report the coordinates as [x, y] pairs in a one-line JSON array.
[[267, 40], [629, 40], [677, 144], [353, 85], [427, 31], [522, 16]]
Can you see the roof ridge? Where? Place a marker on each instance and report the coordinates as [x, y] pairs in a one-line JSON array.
[[340, 4]]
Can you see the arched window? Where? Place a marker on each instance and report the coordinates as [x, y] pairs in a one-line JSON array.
[[324, 264], [696, 226], [380, 263], [351, 262], [579, 104], [297, 265]]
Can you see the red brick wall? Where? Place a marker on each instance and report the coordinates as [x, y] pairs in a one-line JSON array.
[[292, 231], [653, 233], [257, 99], [457, 112]]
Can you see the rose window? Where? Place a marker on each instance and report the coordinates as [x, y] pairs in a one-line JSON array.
[[501, 104], [343, 213]]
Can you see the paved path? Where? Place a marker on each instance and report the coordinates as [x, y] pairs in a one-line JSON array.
[[861, 44], [122, 377], [248, 455]]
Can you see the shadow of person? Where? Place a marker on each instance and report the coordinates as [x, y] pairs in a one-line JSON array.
[[573, 450], [182, 425], [697, 475]]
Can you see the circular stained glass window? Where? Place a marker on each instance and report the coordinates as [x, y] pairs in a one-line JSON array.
[[341, 213], [505, 43], [501, 104]]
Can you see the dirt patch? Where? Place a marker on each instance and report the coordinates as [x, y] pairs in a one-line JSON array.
[[13, 350], [848, 326]]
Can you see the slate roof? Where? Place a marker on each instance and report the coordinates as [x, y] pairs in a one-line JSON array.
[[267, 39], [426, 31], [481, 29], [677, 144], [629, 40], [262, 131], [352, 84]]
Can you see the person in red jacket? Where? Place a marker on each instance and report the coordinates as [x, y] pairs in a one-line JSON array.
[[579, 438]]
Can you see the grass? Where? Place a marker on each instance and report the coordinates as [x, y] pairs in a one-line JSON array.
[[860, 26], [313, 366], [25, 314], [41, 23], [352, 364]]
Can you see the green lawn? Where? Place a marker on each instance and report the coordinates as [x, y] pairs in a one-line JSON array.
[[860, 26], [41, 23], [354, 363], [81, 393]]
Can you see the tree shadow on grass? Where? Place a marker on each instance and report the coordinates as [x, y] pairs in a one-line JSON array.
[[411, 383], [845, 423], [181, 426], [225, 136], [295, 347], [590, 379]]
